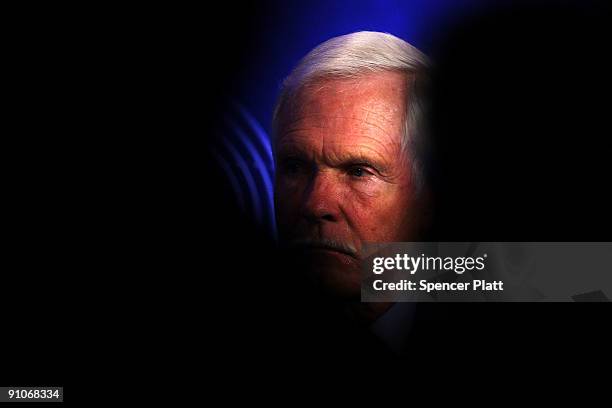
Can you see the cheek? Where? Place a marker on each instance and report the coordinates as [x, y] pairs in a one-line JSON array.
[[377, 212], [288, 194]]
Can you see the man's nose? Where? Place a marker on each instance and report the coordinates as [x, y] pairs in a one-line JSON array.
[[321, 198]]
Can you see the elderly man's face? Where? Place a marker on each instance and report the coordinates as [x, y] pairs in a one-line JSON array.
[[342, 177]]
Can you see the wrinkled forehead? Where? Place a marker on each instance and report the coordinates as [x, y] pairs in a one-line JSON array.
[[372, 105]]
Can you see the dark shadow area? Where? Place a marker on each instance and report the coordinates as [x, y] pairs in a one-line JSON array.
[[520, 128], [176, 277]]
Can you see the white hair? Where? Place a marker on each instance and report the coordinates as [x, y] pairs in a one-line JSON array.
[[354, 55]]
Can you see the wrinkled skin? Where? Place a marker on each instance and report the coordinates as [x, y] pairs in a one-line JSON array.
[[341, 172]]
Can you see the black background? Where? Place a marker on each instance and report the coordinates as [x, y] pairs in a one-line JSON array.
[[126, 260]]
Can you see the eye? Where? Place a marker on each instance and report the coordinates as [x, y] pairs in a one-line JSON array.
[[359, 171], [292, 167]]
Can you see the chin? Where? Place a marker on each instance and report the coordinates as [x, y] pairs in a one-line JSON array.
[[337, 276]]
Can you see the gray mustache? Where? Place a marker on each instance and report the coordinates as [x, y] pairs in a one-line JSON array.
[[324, 243]]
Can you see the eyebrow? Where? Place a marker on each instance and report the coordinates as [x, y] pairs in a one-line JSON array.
[[294, 151], [355, 158]]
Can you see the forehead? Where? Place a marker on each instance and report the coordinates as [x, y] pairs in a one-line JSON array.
[[337, 111]]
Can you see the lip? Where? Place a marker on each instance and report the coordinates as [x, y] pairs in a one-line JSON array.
[[327, 250]]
